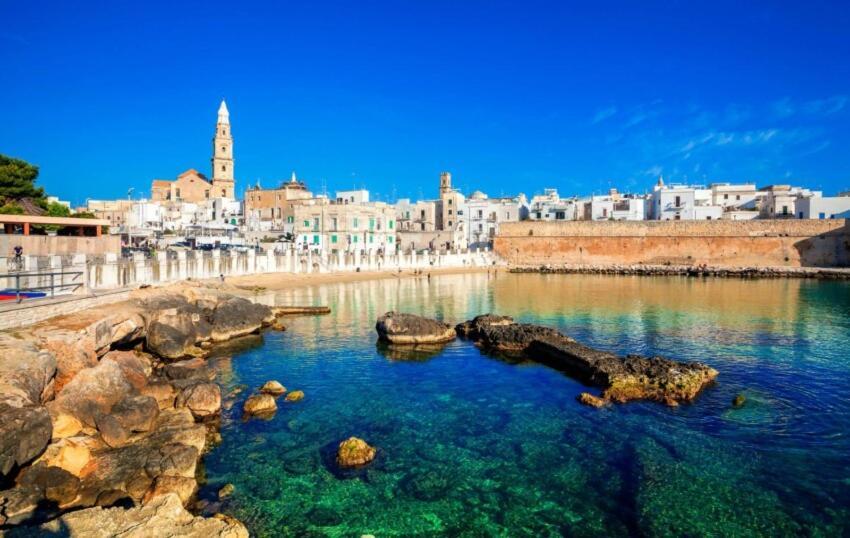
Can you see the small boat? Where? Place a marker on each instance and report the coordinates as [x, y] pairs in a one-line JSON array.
[[12, 295]]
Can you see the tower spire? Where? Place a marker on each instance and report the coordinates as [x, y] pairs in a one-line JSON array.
[[222, 156]]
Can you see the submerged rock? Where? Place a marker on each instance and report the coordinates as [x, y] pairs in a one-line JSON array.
[[260, 404], [410, 329], [273, 387], [295, 396], [226, 491], [354, 452], [623, 379], [739, 401], [162, 516], [594, 401]]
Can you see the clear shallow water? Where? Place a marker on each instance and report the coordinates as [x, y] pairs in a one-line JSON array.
[[470, 445]]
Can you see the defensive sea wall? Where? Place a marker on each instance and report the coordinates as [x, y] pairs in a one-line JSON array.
[[720, 243]]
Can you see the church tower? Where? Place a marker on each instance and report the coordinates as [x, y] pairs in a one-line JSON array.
[[222, 159]]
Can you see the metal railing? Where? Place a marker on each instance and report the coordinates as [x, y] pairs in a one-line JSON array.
[[20, 292]]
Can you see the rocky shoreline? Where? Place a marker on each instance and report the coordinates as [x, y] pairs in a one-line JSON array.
[[116, 409], [622, 379], [824, 273]]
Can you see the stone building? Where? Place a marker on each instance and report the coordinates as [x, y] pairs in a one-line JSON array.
[[192, 186], [271, 209], [780, 201], [319, 224], [483, 215]]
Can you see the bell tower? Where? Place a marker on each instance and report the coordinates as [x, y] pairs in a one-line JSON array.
[[222, 159]]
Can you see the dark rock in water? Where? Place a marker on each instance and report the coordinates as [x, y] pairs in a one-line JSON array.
[[593, 401], [739, 401], [354, 452], [322, 516], [236, 316], [632, 377], [136, 413], [24, 434], [407, 329], [426, 485], [226, 491]]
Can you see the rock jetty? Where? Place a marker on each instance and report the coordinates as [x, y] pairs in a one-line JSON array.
[[826, 273], [622, 379], [116, 405], [409, 329]]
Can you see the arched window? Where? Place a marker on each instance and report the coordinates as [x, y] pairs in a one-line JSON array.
[[224, 168]]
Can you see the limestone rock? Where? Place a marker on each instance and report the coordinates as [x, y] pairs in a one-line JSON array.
[[173, 459], [593, 401], [173, 333], [136, 367], [162, 516], [136, 413], [410, 329], [65, 425], [354, 452], [111, 431], [55, 484], [295, 396], [273, 387], [236, 316], [202, 399], [25, 372], [24, 433], [70, 454], [260, 404], [73, 353], [226, 491], [190, 369], [184, 487], [93, 392], [163, 392]]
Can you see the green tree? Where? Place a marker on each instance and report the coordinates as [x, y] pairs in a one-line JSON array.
[[17, 180], [57, 210]]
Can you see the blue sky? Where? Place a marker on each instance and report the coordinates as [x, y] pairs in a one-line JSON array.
[[508, 96]]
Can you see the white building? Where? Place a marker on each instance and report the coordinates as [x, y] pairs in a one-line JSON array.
[[823, 207], [682, 202], [357, 196], [483, 216], [615, 206], [550, 206]]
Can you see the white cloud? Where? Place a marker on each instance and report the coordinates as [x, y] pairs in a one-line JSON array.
[[603, 114]]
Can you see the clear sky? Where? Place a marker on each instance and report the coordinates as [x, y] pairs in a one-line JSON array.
[[508, 96]]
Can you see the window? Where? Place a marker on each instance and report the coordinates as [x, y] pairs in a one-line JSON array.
[[290, 219], [450, 224], [371, 224], [725, 196], [389, 239], [785, 210], [306, 223], [450, 211], [333, 239], [316, 223], [422, 214], [450, 201], [480, 214], [223, 193], [223, 149], [678, 201], [224, 168], [315, 239], [738, 197], [355, 238], [207, 193], [178, 193], [820, 215], [356, 223], [371, 238], [390, 225], [333, 225]]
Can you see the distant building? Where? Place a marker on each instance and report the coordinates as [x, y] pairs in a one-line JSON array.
[[193, 186], [550, 206], [358, 196], [483, 215], [682, 202], [418, 216], [780, 201], [271, 209], [615, 206], [319, 224], [823, 207]]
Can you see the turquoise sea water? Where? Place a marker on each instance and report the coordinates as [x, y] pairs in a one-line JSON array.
[[470, 445]]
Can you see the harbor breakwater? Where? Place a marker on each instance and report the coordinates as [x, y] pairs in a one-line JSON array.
[[719, 244]]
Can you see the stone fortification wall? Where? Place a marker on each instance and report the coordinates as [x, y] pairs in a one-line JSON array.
[[756, 243]]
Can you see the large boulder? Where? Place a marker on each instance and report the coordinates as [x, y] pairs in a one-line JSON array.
[[136, 413], [260, 404], [93, 392], [26, 373], [162, 391], [190, 369], [73, 352], [273, 387], [24, 433], [202, 399], [162, 516], [136, 367], [236, 316], [410, 329], [172, 333]]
